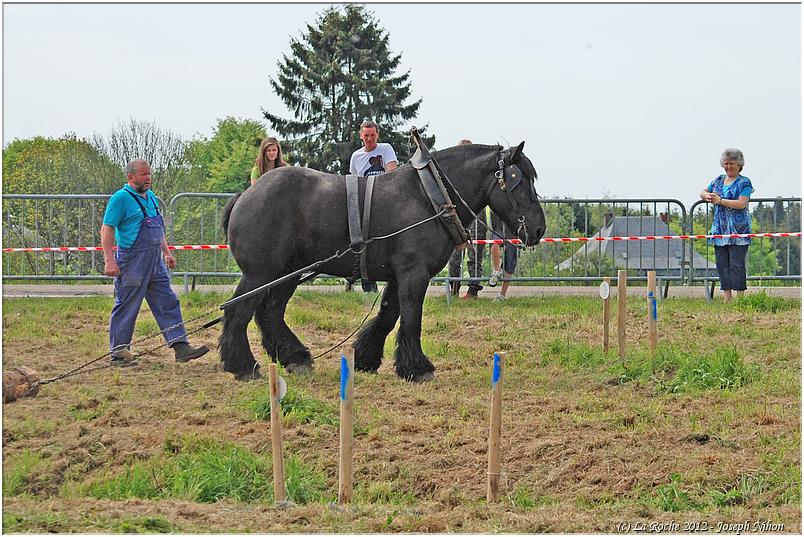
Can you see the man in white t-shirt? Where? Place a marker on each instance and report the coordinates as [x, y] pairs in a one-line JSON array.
[[372, 159]]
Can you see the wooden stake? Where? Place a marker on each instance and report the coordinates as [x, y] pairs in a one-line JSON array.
[[495, 426], [606, 317], [652, 312], [622, 280], [276, 436], [347, 394]]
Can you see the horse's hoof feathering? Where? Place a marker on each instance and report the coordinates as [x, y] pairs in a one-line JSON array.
[[296, 369], [423, 377], [248, 375]]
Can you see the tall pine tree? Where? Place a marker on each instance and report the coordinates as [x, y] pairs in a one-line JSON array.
[[340, 73]]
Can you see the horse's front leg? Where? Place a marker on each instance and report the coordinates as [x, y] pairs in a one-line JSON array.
[[371, 339], [278, 339], [410, 362]]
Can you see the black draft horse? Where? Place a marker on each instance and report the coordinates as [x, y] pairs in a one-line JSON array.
[[295, 216]]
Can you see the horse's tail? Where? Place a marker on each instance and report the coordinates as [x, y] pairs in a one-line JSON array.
[[227, 212]]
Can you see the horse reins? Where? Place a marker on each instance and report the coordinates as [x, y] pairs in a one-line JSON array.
[[313, 266]]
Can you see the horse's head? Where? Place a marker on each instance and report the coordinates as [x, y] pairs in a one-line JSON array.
[[512, 195]]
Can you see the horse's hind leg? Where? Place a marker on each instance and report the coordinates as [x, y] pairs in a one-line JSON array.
[[410, 362], [277, 338], [371, 338], [233, 345]]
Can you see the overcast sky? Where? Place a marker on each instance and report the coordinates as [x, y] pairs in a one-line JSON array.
[[619, 100]]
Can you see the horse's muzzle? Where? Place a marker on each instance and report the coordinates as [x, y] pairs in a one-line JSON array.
[[530, 237]]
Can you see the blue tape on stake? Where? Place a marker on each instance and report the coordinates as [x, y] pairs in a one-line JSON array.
[[654, 313], [344, 376], [495, 372]]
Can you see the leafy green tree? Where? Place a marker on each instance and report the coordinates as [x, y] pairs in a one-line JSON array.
[[224, 161], [339, 73], [762, 259], [780, 216], [66, 165]]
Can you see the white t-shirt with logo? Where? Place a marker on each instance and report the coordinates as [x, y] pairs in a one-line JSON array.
[[365, 163]]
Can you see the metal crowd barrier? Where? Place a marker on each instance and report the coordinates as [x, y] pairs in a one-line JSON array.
[[31, 220]]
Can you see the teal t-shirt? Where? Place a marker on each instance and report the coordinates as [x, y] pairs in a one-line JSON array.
[[124, 214]]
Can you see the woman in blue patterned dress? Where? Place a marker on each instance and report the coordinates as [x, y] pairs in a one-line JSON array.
[[729, 193]]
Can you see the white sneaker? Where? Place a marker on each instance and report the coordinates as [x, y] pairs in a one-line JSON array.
[[495, 278], [500, 298]]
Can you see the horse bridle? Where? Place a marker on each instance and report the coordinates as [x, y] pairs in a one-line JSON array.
[[508, 178]]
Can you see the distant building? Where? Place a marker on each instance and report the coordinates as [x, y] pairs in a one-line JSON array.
[[665, 256]]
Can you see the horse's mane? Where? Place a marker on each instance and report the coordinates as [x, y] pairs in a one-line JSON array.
[[476, 149], [525, 164]]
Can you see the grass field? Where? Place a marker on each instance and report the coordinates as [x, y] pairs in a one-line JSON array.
[[702, 435]]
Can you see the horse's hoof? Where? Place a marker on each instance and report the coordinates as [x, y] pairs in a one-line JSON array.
[[248, 375], [296, 369], [423, 377]]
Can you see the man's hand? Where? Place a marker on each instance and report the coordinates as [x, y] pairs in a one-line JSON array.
[[170, 260], [110, 268]]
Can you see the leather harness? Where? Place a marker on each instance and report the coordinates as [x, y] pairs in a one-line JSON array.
[[422, 161], [359, 228], [507, 178]]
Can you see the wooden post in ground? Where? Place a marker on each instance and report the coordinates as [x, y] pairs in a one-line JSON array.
[[276, 436], [622, 280], [606, 314], [495, 427], [347, 405], [652, 312]]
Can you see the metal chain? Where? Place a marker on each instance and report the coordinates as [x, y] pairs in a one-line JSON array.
[[347, 338], [78, 370]]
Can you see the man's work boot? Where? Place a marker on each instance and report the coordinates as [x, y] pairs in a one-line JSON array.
[[186, 352], [123, 358]]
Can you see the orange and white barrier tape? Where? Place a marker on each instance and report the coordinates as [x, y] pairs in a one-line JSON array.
[[647, 237], [100, 248], [483, 241]]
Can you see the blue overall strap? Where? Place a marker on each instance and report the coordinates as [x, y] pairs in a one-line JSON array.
[[142, 207]]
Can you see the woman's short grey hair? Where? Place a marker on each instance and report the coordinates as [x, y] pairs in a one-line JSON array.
[[735, 155]]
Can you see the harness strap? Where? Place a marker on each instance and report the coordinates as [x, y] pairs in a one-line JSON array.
[[437, 193], [366, 222], [356, 242]]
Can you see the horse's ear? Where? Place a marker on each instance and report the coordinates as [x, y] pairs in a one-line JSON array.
[[516, 152]]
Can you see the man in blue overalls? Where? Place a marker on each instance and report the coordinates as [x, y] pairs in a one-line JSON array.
[[132, 220]]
